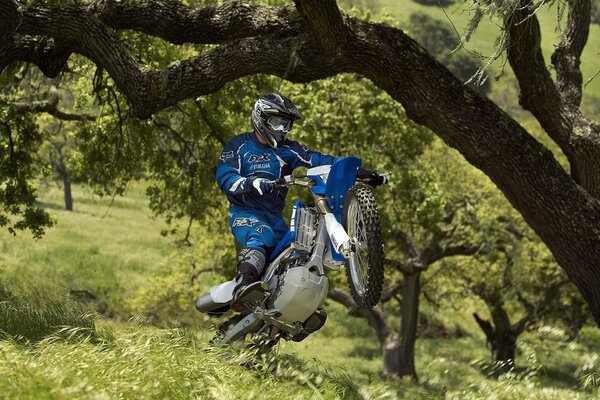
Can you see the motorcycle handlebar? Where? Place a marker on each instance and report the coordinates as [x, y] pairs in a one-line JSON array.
[[290, 180]]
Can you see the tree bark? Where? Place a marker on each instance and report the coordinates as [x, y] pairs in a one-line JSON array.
[[501, 335], [68, 194], [409, 314], [388, 338], [564, 212]]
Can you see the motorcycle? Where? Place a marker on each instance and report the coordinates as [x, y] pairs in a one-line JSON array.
[[341, 227]]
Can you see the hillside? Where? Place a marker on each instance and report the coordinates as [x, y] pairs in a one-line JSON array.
[[457, 17], [117, 250]]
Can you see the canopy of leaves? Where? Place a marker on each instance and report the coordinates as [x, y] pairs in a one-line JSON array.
[[19, 141]]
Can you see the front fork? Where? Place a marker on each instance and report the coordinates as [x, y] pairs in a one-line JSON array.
[[342, 243]]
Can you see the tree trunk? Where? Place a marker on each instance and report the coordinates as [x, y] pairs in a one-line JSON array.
[[409, 314], [392, 355], [68, 195], [575, 318], [61, 168], [502, 336]]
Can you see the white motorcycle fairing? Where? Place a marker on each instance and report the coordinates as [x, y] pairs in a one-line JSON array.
[[223, 293], [301, 294]]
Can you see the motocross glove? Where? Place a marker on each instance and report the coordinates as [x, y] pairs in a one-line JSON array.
[[372, 178], [262, 185]]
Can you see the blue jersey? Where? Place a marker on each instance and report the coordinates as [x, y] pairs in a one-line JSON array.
[[244, 156]]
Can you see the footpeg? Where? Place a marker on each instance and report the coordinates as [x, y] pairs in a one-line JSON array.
[[249, 296]]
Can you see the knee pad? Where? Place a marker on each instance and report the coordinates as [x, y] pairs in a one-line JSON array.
[[251, 260]]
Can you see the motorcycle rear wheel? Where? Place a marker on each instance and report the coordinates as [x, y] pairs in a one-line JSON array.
[[364, 268]]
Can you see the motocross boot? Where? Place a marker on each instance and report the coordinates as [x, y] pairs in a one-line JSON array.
[[248, 288]]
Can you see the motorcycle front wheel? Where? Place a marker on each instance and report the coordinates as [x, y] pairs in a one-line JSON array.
[[364, 268]]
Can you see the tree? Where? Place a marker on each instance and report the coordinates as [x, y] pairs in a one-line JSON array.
[[315, 40], [441, 42], [19, 139]]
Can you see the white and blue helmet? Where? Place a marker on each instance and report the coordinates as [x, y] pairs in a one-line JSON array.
[[273, 117]]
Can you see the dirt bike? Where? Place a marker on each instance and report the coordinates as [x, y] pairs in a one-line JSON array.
[[341, 227]]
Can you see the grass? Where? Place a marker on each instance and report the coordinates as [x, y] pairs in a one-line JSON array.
[[106, 247], [137, 361], [121, 253], [29, 315]]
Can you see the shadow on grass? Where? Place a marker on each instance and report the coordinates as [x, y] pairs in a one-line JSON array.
[[560, 378], [368, 352], [557, 377], [50, 206]]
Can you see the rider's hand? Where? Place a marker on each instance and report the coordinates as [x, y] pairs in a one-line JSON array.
[[372, 178], [262, 185]]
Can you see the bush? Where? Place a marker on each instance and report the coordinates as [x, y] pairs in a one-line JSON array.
[[31, 315]]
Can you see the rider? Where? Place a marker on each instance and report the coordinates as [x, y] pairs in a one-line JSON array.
[[248, 165]]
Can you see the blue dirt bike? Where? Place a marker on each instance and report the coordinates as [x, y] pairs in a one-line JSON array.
[[341, 227]]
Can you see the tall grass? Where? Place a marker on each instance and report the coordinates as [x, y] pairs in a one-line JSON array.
[[148, 363], [30, 315]]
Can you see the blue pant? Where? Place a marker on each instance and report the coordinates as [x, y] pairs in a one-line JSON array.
[[257, 229]]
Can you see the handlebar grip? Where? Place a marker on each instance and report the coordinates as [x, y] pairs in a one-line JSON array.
[[279, 183]]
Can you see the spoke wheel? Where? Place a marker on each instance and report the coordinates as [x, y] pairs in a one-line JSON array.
[[364, 268]]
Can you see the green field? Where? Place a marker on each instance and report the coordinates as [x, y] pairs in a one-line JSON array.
[[105, 246], [116, 250]]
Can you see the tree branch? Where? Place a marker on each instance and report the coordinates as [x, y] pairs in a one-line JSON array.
[[567, 56], [48, 54], [375, 316], [485, 326], [171, 20], [50, 106], [10, 18], [325, 19], [406, 243], [538, 93], [556, 108]]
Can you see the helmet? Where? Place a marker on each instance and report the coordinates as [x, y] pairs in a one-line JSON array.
[[273, 117]]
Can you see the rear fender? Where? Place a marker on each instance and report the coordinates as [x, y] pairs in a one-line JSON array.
[[223, 293], [217, 301]]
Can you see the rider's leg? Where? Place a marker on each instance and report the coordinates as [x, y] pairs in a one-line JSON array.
[[251, 262], [254, 232]]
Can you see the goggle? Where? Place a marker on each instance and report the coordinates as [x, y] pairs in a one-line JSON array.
[[281, 124]]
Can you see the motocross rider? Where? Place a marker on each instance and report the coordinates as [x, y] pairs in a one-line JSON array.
[[248, 165]]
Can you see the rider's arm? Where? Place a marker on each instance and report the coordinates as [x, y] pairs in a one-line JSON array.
[[229, 176], [303, 157], [229, 170]]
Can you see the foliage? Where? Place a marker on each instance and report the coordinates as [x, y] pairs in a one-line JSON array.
[[19, 141], [444, 44], [168, 298], [29, 315]]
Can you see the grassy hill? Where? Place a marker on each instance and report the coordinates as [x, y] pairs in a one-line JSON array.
[[116, 250], [458, 16], [107, 247]]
